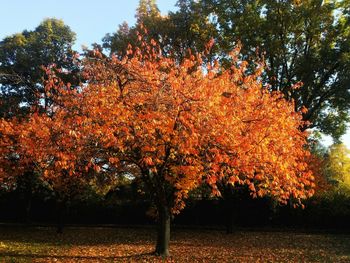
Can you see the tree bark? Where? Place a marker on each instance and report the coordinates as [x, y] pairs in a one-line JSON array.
[[60, 216], [231, 213], [231, 208], [163, 236], [28, 207], [27, 184], [230, 220]]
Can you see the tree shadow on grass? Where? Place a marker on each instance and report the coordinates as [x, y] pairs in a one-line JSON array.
[[75, 236], [28, 256]]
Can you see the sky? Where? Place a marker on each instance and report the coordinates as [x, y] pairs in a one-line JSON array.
[[90, 20]]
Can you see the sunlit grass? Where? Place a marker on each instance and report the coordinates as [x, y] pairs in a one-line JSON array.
[[136, 245]]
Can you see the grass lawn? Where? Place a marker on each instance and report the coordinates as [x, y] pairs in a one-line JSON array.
[[42, 244]]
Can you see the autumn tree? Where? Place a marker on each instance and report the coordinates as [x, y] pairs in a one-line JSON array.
[[8, 143], [179, 124], [175, 123], [46, 144]]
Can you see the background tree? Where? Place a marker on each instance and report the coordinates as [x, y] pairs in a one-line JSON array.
[[337, 167], [187, 31], [22, 57], [147, 16], [178, 33]]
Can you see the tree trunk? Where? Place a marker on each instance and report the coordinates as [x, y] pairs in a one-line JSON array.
[[230, 220], [60, 217], [231, 211], [163, 237], [27, 183], [28, 208]]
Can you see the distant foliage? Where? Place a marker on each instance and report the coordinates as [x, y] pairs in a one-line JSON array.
[[337, 167], [22, 57]]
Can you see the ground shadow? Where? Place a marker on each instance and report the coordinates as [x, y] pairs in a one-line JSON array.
[[77, 257], [78, 235]]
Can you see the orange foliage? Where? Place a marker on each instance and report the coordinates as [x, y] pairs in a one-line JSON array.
[[179, 123], [53, 143], [317, 166]]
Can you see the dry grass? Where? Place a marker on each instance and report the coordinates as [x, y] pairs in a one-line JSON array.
[[136, 245]]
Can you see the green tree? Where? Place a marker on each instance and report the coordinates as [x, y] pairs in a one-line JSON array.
[[147, 16], [177, 33], [337, 166], [147, 8], [22, 57], [187, 30]]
